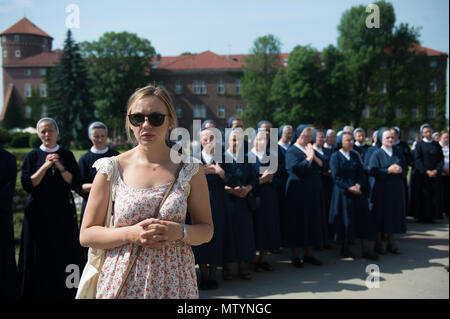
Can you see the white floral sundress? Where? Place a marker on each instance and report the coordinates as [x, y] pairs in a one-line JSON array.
[[164, 272]]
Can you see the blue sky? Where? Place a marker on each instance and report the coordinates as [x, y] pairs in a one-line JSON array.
[[223, 27]]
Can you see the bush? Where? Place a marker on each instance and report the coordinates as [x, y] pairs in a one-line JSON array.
[[5, 137], [20, 139], [34, 141]]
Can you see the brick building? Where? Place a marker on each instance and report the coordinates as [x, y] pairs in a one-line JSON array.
[[26, 55]]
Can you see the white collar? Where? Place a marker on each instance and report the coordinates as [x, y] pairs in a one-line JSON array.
[[327, 146], [49, 150], [96, 151], [320, 150], [258, 154], [426, 140], [443, 146], [283, 145], [207, 157], [359, 144], [234, 156], [302, 148], [346, 154], [387, 150]]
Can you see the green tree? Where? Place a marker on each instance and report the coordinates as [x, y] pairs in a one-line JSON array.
[[259, 72], [119, 63], [69, 100], [363, 50]]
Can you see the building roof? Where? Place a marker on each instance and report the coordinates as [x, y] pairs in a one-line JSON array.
[[25, 26], [203, 61], [45, 59], [428, 51]]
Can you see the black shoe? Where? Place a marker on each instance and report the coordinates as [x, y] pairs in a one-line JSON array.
[[297, 262], [370, 255], [346, 253], [328, 247], [393, 250], [226, 274], [379, 249], [244, 274], [212, 284], [256, 267], [266, 266], [312, 260]]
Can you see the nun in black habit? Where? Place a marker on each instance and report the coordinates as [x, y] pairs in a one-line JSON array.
[[425, 188], [98, 133], [303, 195], [210, 255], [349, 210], [240, 180], [265, 217], [50, 236], [387, 166], [9, 275], [285, 132]]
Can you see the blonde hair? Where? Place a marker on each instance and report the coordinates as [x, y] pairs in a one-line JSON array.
[[150, 90]]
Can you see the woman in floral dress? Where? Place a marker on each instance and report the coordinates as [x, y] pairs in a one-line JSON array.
[[165, 266]]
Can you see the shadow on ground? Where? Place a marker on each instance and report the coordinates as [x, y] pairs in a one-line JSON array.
[[422, 244]]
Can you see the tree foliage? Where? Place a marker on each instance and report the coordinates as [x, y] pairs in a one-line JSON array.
[[259, 72], [119, 63], [69, 100]]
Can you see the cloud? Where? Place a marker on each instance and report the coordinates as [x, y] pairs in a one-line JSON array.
[[11, 5]]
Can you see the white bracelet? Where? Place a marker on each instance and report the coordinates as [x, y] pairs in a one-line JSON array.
[[184, 232]]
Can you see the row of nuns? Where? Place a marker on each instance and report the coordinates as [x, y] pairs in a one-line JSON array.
[[328, 188], [49, 248]]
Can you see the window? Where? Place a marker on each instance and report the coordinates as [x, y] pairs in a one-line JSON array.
[[381, 87], [43, 72], [415, 112], [199, 111], [4, 39], [220, 111], [160, 84], [27, 72], [433, 64], [44, 40], [398, 112], [44, 110], [238, 86], [179, 111], [16, 38], [27, 112], [43, 90], [221, 87], [238, 109], [433, 85], [431, 111], [380, 112], [17, 53], [178, 87], [366, 112], [199, 87], [5, 53], [27, 90]]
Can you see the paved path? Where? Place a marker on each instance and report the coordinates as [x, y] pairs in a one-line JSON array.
[[417, 273]]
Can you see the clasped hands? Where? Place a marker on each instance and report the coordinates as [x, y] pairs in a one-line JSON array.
[[432, 173], [395, 169], [355, 189], [53, 159], [153, 232], [238, 191]]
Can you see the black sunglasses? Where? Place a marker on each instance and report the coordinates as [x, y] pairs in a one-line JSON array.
[[155, 119]]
